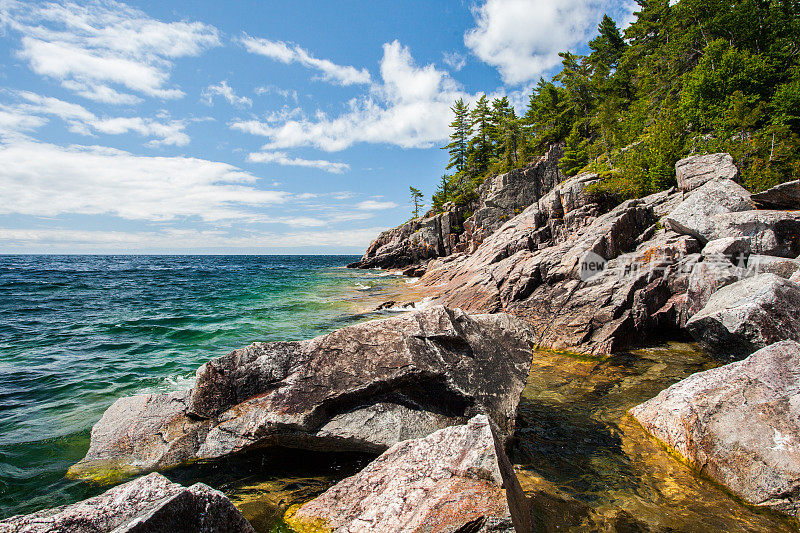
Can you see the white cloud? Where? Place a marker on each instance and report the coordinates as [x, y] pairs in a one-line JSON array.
[[83, 121], [14, 121], [281, 158], [522, 38], [410, 108], [180, 239], [227, 92], [42, 179], [287, 94], [454, 60], [374, 205], [291, 53], [91, 48]]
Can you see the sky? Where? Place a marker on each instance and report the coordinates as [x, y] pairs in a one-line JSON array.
[[249, 126]]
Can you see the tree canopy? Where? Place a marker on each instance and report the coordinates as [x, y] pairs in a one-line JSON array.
[[698, 76]]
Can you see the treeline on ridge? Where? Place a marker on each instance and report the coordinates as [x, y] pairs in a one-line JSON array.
[[699, 76]]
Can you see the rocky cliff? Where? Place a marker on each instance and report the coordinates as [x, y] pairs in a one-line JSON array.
[[500, 198]]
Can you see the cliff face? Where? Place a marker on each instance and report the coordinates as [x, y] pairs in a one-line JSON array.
[[504, 196], [500, 199]]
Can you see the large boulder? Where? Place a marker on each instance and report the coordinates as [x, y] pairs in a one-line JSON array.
[[769, 264], [783, 196], [748, 315], [768, 232], [735, 249], [706, 278], [739, 424], [695, 171], [148, 504], [457, 479], [363, 387], [694, 215]]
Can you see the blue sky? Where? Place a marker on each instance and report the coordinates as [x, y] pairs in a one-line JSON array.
[[248, 127]]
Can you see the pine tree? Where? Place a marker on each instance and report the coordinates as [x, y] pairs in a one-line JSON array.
[[462, 129], [607, 48], [480, 146], [416, 199]]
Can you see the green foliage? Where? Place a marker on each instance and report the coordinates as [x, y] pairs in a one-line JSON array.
[[695, 76], [416, 200]]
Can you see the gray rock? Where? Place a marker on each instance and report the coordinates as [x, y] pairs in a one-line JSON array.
[[694, 215], [735, 249], [695, 171], [414, 242], [504, 196], [457, 479], [707, 278], [739, 424], [363, 387], [748, 315], [783, 196], [148, 504], [768, 232], [768, 264]]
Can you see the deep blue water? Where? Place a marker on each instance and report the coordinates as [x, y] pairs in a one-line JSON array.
[[77, 332]]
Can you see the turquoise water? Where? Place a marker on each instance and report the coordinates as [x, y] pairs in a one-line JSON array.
[[77, 332]]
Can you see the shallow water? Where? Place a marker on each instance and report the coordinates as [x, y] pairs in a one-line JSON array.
[[77, 332], [589, 466]]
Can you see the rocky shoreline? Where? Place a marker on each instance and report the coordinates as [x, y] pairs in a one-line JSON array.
[[540, 263]]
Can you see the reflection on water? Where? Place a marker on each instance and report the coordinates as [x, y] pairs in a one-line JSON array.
[[588, 466]]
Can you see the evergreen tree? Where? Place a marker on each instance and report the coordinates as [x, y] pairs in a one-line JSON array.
[[480, 145], [459, 138], [416, 200]]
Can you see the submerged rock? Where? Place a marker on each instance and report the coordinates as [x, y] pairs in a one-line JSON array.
[[147, 504], [739, 424], [695, 171], [783, 196], [747, 315], [363, 387], [456, 479]]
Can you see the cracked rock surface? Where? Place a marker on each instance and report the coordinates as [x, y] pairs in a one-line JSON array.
[[456, 479]]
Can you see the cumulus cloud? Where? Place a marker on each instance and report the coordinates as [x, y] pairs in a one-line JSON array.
[[94, 49], [84, 122], [374, 205], [226, 91], [409, 108], [522, 38], [43, 179], [291, 53], [281, 158]]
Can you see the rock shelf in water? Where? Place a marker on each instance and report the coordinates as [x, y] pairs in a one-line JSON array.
[[362, 388], [739, 424], [147, 504]]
